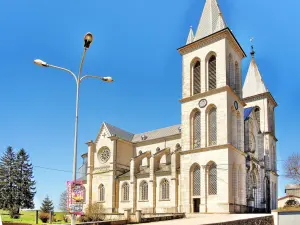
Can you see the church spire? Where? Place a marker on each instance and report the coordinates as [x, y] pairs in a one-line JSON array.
[[211, 20], [190, 38], [254, 83]]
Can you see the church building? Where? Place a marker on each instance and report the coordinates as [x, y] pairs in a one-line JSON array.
[[221, 158]]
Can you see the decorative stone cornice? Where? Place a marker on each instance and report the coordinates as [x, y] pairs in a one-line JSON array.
[[267, 95], [225, 33], [211, 92], [213, 148], [271, 134], [90, 143]]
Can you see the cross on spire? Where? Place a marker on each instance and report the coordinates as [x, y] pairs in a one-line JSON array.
[[252, 47]]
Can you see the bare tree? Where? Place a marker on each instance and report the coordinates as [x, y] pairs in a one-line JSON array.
[[292, 167], [63, 202]]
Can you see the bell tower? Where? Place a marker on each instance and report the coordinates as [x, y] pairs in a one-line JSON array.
[[212, 111], [257, 95]]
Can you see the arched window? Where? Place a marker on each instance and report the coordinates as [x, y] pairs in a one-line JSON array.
[[237, 79], [125, 192], [271, 119], [144, 191], [101, 193], [234, 184], [164, 189], [257, 116], [197, 78], [212, 127], [212, 179], [239, 132], [234, 129], [212, 73], [197, 181], [197, 130], [231, 71], [239, 186]]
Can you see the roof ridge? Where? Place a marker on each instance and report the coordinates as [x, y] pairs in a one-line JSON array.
[[158, 129]]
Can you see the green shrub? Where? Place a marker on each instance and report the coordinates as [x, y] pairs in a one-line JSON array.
[[66, 218], [83, 219], [44, 217]]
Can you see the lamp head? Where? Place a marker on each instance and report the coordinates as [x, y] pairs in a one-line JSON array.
[[88, 39], [40, 63], [107, 79]]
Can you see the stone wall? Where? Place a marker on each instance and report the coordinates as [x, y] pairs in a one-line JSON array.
[[267, 220]]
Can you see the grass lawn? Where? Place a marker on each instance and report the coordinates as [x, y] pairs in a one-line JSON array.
[[29, 217]]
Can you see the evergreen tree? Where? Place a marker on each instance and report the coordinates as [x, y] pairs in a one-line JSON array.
[[8, 188], [25, 181], [47, 205], [63, 201]]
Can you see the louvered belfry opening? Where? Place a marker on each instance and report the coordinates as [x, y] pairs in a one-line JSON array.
[[197, 130], [212, 122], [257, 115], [237, 79], [231, 72], [197, 78], [197, 181], [212, 180], [212, 73]]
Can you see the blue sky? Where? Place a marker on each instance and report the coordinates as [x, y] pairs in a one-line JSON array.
[[135, 42]]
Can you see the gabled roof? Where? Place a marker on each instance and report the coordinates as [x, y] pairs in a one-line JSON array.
[[211, 20], [160, 133], [115, 131], [247, 112], [146, 136], [254, 83]]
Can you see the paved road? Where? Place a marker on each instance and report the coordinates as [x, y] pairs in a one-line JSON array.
[[200, 219]]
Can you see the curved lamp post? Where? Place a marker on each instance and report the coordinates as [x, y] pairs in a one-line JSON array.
[[88, 39]]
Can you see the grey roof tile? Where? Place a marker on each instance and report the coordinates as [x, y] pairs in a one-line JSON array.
[[146, 136], [127, 136], [160, 133]]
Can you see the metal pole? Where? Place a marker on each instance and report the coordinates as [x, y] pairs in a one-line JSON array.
[[76, 116], [76, 131], [73, 217]]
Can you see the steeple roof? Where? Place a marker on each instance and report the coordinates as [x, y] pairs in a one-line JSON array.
[[211, 20], [254, 83], [191, 37]]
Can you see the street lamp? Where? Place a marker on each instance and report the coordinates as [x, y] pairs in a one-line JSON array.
[[88, 39]]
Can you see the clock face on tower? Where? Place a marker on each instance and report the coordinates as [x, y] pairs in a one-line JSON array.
[[236, 105]]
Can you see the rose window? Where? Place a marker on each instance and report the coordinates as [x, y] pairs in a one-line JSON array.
[[104, 155]]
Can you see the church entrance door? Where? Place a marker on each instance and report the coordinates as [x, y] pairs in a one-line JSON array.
[[197, 202]]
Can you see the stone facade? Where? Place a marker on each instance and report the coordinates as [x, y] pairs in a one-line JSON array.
[[220, 159]]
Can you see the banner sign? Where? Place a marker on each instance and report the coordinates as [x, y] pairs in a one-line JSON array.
[[75, 200]]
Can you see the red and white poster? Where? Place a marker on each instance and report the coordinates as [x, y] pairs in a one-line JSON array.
[[75, 192]]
